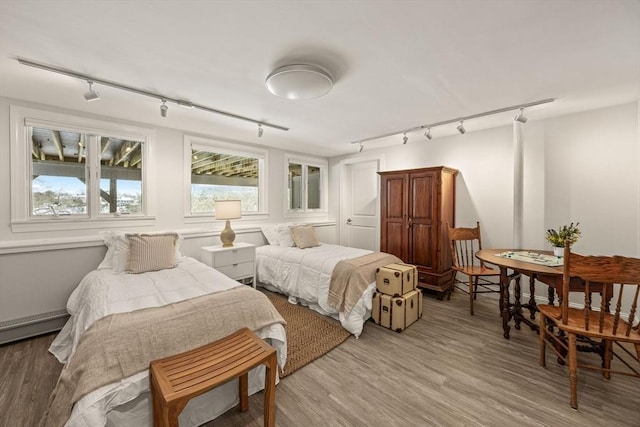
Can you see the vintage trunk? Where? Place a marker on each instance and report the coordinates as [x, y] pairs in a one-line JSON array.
[[396, 279], [397, 313]]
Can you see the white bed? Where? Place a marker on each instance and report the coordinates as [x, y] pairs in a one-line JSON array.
[[126, 403], [305, 274]]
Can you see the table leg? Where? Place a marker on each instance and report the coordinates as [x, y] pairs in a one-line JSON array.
[[533, 307], [504, 300], [517, 307]]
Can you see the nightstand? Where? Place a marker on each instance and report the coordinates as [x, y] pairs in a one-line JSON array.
[[237, 261]]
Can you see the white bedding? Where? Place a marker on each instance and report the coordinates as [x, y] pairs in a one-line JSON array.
[[305, 275], [127, 403]]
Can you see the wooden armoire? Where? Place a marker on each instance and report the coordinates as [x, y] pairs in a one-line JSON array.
[[416, 206]]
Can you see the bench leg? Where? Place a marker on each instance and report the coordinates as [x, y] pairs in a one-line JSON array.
[[243, 391], [270, 392]]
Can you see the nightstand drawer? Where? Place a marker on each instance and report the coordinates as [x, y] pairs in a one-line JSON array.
[[237, 271], [234, 256]]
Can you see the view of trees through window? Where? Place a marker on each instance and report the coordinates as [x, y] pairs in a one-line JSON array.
[[220, 176], [59, 181]]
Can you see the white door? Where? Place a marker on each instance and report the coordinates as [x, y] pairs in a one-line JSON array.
[[360, 206]]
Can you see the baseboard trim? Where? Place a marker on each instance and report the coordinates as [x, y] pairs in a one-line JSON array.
[[30, 326]]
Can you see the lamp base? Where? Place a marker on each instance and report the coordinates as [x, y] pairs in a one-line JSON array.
[[227, 236]]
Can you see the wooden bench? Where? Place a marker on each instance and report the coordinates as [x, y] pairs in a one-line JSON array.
[[176, 379]]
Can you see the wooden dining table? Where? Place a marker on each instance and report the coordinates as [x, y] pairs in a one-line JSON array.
[[551, 276]]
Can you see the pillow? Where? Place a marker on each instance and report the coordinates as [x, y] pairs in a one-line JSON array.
[[284, 235], [270, 232], [304, 236], [117, 256], [151, 252]]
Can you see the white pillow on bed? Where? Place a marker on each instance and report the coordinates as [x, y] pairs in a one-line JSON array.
[[284, 235], [117, 256], [270, 232]]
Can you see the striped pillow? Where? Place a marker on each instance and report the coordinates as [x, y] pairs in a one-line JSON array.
[[151, 252]]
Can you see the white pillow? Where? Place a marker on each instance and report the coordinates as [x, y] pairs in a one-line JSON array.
[[270, 232], [117, 256], [284, 235]]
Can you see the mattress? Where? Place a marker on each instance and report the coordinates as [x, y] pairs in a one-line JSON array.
[[127, 403], [305, 274]]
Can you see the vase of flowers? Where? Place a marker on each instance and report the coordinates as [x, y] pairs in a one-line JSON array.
[[567, 233]]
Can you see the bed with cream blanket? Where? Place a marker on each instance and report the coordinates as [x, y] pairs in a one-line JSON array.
[[161, 313], [305, 275]]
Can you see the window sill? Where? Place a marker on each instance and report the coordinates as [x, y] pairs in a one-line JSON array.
[[62, 223]]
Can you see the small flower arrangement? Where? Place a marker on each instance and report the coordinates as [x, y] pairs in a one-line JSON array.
[[570, 233]]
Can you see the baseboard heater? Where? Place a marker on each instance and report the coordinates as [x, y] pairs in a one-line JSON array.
[[30, 326]]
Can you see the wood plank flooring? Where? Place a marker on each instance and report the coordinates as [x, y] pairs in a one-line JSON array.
[[448, 369]]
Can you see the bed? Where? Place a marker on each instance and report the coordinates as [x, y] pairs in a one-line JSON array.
[[171, 295], [296, 264]]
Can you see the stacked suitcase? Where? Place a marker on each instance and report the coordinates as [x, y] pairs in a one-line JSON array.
[[397, 303]]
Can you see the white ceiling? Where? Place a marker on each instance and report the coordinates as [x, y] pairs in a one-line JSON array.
[[396, 64]]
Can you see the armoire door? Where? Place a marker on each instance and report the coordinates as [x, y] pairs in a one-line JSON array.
[[423, 220], [393, 218]]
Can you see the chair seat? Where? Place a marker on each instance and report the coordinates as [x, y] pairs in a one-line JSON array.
[[575, 324], [477, 270]]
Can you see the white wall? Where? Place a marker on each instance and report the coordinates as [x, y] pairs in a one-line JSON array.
[[39, 270], [580, 167]]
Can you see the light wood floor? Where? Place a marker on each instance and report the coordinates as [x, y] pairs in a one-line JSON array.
[[448, 369]]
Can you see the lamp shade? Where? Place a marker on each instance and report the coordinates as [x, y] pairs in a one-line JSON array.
[[228, 209]]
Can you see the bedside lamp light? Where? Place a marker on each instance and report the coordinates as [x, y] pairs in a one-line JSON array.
[[228, 209]]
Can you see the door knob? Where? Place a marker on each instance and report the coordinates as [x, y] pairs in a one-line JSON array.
[[349, 221]]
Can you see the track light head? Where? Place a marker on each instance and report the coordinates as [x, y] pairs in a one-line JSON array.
[[260, 130], [427, 134], [92, 95], [164, 108], [405, 138], [520, 117], [361, 147], [461, 128]]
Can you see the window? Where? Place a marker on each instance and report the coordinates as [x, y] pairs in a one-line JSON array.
[[220, 171], [77, 169], [306, 184]]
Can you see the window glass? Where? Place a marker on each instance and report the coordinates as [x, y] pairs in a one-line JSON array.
[[313, 187], [120, 176], [59, 178], [219, 175], [295, 186]]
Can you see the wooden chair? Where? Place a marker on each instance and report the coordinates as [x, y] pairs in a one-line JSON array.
[[562, 326], [465, 242]]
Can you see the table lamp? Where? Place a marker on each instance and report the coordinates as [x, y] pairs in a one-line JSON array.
[[228, 209]]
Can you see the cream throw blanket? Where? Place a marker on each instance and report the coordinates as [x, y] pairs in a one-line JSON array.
[[351, 277], [120, 345]]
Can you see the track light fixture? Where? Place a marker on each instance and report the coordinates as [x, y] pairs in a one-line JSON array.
[[92, 95], [520, 117], [260, 130], [361, 147], [460, 127], [405, 138], [164, 108]]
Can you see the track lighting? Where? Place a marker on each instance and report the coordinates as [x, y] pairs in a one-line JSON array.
[[164, 108], [92, 95], [361, 147], [520, 117], [404, 138], [260, 130]]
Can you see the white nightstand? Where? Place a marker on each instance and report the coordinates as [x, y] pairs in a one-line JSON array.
[[237, 261]]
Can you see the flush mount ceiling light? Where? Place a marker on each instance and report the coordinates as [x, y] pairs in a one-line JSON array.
[[298, 82]]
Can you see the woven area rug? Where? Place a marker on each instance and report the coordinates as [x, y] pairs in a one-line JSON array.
[[309, 334]]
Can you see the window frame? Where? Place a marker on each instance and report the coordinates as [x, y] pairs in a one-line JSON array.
[[192, 142], [305, 162], [22, 220]]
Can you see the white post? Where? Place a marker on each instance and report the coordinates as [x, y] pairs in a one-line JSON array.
[[518, 185]]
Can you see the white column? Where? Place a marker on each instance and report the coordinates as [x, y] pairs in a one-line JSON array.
[[518, 185]]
